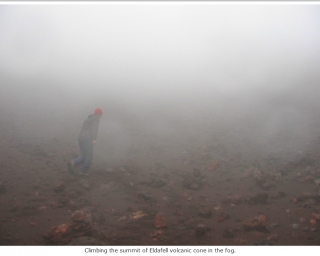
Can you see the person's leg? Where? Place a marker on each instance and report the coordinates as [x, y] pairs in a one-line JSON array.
[[79, 160], [75, 162], [88, 156]]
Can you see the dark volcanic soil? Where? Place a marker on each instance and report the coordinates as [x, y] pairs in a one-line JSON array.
[[194, 183]]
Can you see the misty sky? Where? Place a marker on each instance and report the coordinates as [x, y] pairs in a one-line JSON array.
[[149, 55], [153, 48]]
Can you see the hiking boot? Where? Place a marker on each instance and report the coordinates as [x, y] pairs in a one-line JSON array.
[[83, 174], [71, 167]]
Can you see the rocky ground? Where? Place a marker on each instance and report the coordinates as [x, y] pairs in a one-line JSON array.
[[206, 184]]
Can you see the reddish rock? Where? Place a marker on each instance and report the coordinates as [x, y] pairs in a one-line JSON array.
[[160, 221], [65, 233], [223, 216], [258, 223]]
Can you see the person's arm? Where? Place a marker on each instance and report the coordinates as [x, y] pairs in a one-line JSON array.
[[95, 126]]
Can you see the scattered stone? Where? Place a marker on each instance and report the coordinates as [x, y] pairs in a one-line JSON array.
[[83, 216], [158, 183], [261, 198], [160, 221], [306, 205], [201, 230], [73, 194], [273, 225], [233, 199], [65, 233], [317, 182], [122, 218], [205, 213], [223, 216], [302, 162], [63, 201], [306, 196], [278, 195], [98, 217], [154, 182], [228, 233], [144, 196], [294, 200], [158, 235], [59, 187], [310, 238], [185, 227], [192, 183], [302, 220], [313, 221], [316, 216], [258, 223], [267, 185], [273, 237], [295, 226], [214, 165], [84, 184], [281, 194], [138, 215]]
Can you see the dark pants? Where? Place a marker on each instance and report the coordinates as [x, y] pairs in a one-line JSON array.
[[86, 148]]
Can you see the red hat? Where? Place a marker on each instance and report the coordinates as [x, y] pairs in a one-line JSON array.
[[98, 111]]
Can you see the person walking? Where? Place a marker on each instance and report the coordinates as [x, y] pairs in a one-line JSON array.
[[87, 138]]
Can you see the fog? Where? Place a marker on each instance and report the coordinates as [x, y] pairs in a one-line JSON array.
[[176, 71]]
